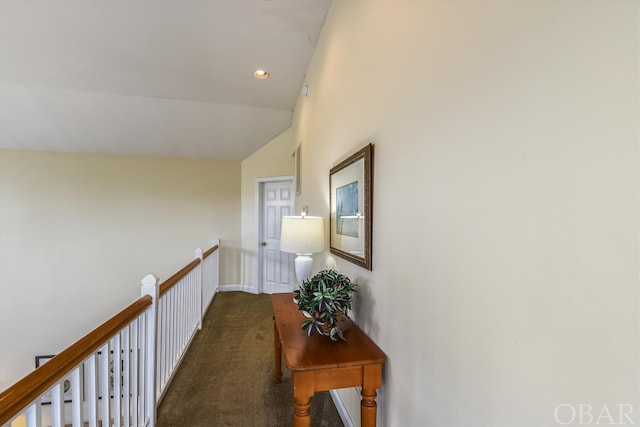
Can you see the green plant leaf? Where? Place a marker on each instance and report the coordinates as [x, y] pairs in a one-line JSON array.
[[322, 299]]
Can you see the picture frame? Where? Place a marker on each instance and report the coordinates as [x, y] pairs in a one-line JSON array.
[[351, 208], [298, 169], [66, 385]]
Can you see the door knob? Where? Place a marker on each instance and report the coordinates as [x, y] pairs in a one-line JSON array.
[[264, 243]]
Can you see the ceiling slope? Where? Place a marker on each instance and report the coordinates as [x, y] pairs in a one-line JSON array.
[[152, 77]]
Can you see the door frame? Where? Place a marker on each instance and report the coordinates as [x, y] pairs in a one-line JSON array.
[[260, 184]]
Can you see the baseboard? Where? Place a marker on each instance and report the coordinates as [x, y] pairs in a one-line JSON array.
[[342, 410], [241, 288]]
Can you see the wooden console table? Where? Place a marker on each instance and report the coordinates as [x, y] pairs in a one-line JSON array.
[[319, 364]]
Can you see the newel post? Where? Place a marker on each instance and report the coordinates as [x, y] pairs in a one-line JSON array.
[[151, 286], [216, 266], [198, 255]]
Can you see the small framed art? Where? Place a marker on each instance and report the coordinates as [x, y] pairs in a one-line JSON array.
[[298, 169]]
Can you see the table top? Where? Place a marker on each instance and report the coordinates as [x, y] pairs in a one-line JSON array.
[[302, 353]]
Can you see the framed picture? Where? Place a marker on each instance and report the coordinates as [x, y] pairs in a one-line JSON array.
[[66, 385], [298, 170], [351, 207]]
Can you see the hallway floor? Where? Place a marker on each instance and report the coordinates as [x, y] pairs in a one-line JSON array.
[[226, 377]]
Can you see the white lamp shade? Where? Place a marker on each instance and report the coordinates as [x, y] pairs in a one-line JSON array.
[[302, 235]]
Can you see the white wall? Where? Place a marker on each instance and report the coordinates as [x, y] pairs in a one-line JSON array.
[[272, 160], [505, 247], [79, 231]]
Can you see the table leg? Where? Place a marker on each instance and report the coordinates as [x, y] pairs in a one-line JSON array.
[[368, 408], [277, 353], [372, 379], [302, 392]]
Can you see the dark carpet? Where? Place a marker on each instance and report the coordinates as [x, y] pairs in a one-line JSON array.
[[226, 378]]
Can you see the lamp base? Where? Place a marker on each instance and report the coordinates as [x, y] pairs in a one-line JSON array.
[[303, 265]]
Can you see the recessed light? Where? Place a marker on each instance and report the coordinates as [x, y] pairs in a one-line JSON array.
[[260, 74]]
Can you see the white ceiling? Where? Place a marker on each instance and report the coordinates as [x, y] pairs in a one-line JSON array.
[[152, 77]]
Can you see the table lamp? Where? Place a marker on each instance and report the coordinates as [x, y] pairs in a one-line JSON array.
[[302, 235]]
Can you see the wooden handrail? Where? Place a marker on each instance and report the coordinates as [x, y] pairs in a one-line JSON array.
[[209, 252], [25, 391], [21, 394], [171, 281]]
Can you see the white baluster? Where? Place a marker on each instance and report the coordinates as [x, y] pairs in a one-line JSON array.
[[199, 288], [170, 333], [142, 342], [76, 397], [161, 333], [135, 344], [91, 381], [180, 321], [34, 414], [116, 378], [57, 405], [104, 386], [126, 374], [150, 286]]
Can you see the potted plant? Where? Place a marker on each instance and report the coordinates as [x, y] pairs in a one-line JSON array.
[[324, 299]]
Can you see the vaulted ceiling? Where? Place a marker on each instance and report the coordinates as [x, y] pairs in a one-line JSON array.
[[152, 77]]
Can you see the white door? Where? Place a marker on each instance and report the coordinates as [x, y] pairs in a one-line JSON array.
[[277, 273]]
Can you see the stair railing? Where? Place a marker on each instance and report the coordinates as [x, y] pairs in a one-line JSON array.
[[118, 373]]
